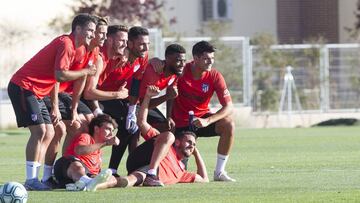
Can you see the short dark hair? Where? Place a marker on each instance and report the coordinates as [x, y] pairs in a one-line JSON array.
[[174, 48], [82, 20], [102, 20], [99, 121], [113, 29], [202, 47], [181, 134], [136, 31]]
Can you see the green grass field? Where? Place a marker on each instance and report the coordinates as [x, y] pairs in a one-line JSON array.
[[270, 165]]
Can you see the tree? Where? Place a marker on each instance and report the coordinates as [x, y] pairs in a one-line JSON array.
[[148, 13]]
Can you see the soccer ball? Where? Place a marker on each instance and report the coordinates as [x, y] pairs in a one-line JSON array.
[[13, 192]]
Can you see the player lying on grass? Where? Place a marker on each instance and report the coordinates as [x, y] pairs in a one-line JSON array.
[[158, 160], [79, 168]]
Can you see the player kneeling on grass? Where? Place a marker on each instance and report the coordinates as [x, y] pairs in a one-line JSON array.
[[158, 160], [79, 168]]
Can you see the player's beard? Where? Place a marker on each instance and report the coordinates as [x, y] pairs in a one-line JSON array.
[[174, 71], [186, 151]]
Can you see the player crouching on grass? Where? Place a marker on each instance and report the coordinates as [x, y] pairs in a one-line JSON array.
[[158, 160], [79, 168]]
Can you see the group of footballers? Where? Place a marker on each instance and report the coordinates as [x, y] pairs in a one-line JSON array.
[[84, 85]]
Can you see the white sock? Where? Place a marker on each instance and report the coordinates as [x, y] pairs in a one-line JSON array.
[[86, 179], [31, 169], [113, 171], [47, 172], [221, 163], [38, 167], [152, 172]]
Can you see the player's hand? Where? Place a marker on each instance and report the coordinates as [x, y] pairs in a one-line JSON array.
[[55, 116], [172, 92], [91, 69], [75, 119], [130, 124], [122, 92], [97, 112], [201, 122], [157, 64], [171, 124], [113, 141], [152, 91]]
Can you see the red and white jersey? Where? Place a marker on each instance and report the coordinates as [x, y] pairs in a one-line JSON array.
[[112, 78], [151, 77], [171, 169], [194, 95], [93, 160], [38, 74], [90, 58]]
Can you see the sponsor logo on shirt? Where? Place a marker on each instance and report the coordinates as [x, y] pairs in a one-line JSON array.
[[226, 93], [171, 81], [34, 117], [136, 67], [205, 87]]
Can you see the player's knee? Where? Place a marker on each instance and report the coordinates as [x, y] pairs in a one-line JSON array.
[[168, 137], [77, 167], [226, 124]]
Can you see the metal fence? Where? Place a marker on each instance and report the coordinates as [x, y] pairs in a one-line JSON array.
[[327, 76]]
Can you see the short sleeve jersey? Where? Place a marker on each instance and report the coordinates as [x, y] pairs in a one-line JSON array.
[[171, 168], [113, 78], [90, 58], [194, 95], [151, 77], [38, 74], [93, 160]]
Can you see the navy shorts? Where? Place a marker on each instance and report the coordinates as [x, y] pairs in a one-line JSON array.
[[65, 106], [208, 131], [60, 170], [29, 110], [140, 157]]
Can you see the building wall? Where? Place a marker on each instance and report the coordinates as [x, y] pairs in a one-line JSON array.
[[299, 19], [247, 17], [347, 18]]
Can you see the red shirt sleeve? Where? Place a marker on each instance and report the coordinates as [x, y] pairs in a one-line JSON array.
[[221, 89], [187, 177], [64, 55]]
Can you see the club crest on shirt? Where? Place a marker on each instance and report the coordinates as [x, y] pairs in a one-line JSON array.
[[34, 117], [136, 67], [171, 81], [205, 87]]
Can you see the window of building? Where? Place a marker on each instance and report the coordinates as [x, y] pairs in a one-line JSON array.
[[216, 10]]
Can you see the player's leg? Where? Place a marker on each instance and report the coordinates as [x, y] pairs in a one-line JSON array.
[[117, 109], [53, 148], [225, 128], [157, 120], [28, 111], [162, 145]]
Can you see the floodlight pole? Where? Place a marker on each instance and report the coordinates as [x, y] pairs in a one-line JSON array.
[[289, 86]]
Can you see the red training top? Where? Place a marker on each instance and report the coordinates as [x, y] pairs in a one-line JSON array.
[[194, 95], [38, 74]]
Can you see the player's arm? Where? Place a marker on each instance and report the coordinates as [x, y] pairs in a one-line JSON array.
[[169, 107], [78, 87], [171, 93], [225, 99], [92, 93], [201, 174], [87, 149], [144, 109], [54, 98], [224, 111], [63, 75]]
